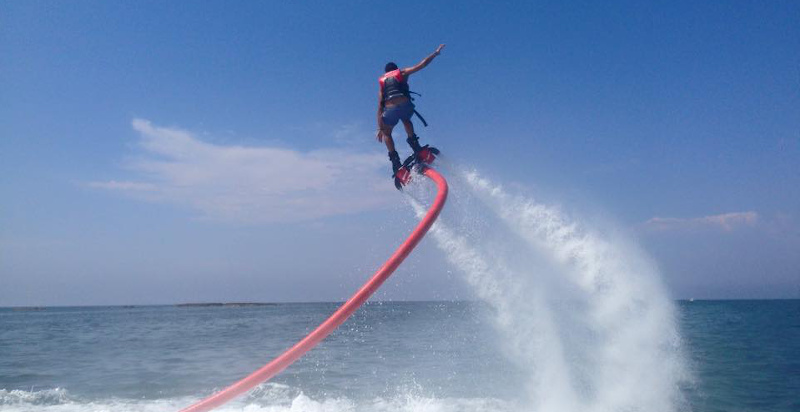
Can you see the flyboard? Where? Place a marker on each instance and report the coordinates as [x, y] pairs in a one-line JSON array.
[[420, 160], [348, 308]]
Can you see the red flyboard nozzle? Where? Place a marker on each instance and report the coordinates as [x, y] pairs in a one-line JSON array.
[[403, 175], [425, 156]]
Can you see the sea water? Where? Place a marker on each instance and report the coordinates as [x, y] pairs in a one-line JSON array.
[[567, 317], [398, 356]]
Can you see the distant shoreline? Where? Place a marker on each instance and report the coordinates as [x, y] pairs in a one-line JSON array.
[[179, 305], [261, 304]]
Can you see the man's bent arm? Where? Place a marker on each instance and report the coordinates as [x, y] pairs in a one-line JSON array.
[[380, 117], [380, 108], [426, 61]]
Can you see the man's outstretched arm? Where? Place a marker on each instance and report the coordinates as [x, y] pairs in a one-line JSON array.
[[421, 65]]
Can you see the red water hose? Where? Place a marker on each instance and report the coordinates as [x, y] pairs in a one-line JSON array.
[[334, 321]]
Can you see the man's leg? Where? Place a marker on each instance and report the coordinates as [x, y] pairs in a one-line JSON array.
[[387, 137], [409, 127], [413, 139], [393, 156]]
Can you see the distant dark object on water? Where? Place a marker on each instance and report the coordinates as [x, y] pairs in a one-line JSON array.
[[230, 304], [28, 309]]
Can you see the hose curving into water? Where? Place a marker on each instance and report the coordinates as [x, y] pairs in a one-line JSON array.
[[337, 318]]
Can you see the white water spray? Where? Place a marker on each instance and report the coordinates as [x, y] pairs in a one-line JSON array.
[[586, 317]]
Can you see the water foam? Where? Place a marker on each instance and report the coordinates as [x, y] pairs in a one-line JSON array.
[[585, 315], [269, 397], [55, 396]]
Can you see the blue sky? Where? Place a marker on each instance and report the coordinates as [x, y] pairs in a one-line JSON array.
[[157, 152]]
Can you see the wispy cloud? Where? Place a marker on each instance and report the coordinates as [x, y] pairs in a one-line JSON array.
[[726, 221], [351, 134], [252, 184], [124, 186]]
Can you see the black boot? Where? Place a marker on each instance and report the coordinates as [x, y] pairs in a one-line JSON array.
[[413, 141], [422, 154], [395, 158]]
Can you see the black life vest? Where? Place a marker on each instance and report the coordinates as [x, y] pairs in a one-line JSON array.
[[393, 84]]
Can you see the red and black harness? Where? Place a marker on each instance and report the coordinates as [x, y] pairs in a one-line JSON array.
[[394, 84]]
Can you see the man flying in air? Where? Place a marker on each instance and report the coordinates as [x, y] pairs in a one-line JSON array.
[[394, 104]]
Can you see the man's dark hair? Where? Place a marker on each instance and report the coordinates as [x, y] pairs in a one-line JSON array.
[[389, 67]]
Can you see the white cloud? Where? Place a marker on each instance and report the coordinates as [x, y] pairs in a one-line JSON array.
[[115, 185], [351, 134], [725, 221], [253, 184]]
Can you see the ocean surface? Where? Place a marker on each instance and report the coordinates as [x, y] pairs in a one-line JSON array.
[[569, 315], [397, 356]]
